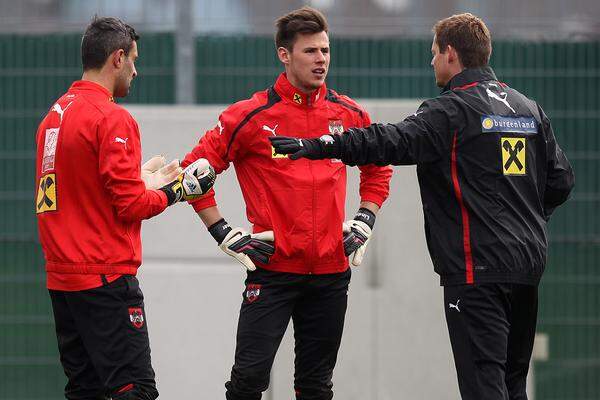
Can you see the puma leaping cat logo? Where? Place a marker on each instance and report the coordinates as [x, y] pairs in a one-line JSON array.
[[501, 97], [121, 140], [272, 130], [58, 109], [451, 306]]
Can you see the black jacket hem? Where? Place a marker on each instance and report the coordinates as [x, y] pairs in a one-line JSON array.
[[490, 277]]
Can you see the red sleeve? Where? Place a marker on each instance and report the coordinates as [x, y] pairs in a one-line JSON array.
[[374, 180], [120, 157], [220, 146]]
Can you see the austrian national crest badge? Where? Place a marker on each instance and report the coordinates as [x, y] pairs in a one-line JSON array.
[[136, 316], [252, 292], [336, 127]]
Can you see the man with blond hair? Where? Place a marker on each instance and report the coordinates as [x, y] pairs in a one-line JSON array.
[[491, 173]]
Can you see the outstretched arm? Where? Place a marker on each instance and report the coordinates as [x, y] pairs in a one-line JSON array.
[[422, 137]]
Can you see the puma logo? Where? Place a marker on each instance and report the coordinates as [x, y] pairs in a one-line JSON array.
[[121, 140], [58, 109], [451, 306], [501, 97], [272, 130]]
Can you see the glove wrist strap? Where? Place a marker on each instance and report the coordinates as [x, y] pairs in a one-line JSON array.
[[171, 195], [219, 230], [365, 215]]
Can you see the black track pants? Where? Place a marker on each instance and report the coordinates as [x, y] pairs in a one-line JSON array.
[[492, 329], [317, 306]]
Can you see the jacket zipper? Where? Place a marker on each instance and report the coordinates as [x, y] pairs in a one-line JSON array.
[[314, 201]]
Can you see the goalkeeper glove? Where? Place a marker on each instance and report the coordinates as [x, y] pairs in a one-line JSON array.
[[156, 174], [357, 233], [242, 245], [195, 180], [327, 146]]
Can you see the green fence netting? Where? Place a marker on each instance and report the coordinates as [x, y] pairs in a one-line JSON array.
[[563, 77]]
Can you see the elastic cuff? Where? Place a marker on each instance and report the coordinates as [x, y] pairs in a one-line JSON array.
[[205, 201], [332, 150], [373, 198], [162, 195]]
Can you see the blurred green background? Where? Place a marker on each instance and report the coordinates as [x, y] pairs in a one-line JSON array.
[[564, 77]]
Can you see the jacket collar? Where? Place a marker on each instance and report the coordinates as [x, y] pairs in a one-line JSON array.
[[470, 76], [288, 91], [94, 88]]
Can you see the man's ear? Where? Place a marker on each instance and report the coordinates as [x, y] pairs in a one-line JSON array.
[[452, 55], [284, 55], [118, 58]]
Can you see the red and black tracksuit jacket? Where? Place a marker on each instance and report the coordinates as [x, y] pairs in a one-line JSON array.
[[90, 198], [490, 172], [302, 201]]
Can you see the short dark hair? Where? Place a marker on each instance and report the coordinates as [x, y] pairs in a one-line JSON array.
[[303, 20], [468, 35], [103, 36]]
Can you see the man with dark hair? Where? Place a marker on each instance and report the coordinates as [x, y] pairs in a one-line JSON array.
[[91, 199], [297, 256], [491, 174], [102, 37]]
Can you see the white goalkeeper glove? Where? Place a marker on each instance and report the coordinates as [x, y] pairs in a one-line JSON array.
[[195, 180], [243, 246], [357, 233], [156, 174]]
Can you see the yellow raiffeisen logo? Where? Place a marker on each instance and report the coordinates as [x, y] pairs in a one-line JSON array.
[[513, 156], [297, 98], [46, 196], [487, 123], [275, 155]]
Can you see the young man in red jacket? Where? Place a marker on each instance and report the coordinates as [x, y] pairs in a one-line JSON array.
[[90, 203], [297, 254]]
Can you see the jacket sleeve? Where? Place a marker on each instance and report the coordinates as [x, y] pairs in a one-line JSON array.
[[423, 137], [374, 180], [560, 178], [220, 146], [119, 159]]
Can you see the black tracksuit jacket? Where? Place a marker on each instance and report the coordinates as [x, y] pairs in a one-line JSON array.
[[490, 173]]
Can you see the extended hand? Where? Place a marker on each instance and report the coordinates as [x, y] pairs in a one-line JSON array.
[[195, 180], [313, 149], [156, 174]]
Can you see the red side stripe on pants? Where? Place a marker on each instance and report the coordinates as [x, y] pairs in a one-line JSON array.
[[464, 213], [126, 388]]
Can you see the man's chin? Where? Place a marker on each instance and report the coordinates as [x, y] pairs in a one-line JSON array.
[[123, 92], [316, 84]]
